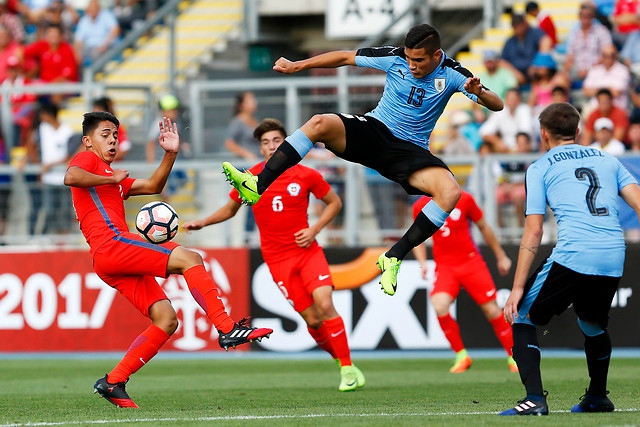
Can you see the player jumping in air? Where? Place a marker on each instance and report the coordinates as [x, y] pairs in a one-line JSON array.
[[295, 260], [460, 265], [582, 185], [127, 262], [393, 139]]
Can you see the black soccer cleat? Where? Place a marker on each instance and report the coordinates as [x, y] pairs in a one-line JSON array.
[[593, 404], [242, 333], [114, 393], [530, 405]]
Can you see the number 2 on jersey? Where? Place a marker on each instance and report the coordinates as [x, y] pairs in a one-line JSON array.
[[592, 192]]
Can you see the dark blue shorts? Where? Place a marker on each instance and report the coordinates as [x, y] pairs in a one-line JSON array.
[[553, 288], [371, 143]]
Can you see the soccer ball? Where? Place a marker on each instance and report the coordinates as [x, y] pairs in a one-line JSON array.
[[157, 222]]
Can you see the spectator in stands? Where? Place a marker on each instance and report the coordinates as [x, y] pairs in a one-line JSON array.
[[520, 49], [584, 45], [471, 130], [634, 135], [240, 140], [626, 20], [58, 13], [608, 74], [511, 189], [606, 108], [52, 60], [495, 76], [634, 95], [456, 143], [630, 54], [50, 145], [97, 31], [23, 104], [124, 145], [9, 48], [543, 21], [544, 79], [12, 22], [560, 94], [501, 127], [131, 13], [604, 138]]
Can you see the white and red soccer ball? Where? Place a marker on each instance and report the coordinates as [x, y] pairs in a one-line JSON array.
[[157, 222]]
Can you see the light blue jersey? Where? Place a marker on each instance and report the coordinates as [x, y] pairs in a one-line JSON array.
[[410, 107], [582, 187]]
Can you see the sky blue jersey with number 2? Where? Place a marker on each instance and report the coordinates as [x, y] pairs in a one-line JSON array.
[[410, 107], [581, 185]]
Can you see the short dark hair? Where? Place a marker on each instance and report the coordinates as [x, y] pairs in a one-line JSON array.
[[50, 108], [104, 103], [561, 120], [93, 119], [560, 89], [604, 91], [267, 125], [423, 36], [531, 6]]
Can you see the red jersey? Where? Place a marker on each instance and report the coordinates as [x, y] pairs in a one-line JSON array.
[[282, 209], [53, 63], [452, 243], [630, 7], [100, 210]]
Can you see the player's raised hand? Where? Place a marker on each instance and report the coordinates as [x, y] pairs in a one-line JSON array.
[[473, 85], [193, 225], [283, 65], [169, 139]]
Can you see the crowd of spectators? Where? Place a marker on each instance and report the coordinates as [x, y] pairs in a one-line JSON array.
[[595, 66]]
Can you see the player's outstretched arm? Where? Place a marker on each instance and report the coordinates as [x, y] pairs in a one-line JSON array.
[[78, 177], [170, 141], [224, 213], [502, 260], [333, 59]]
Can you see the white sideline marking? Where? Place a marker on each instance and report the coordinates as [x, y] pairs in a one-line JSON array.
[[256, 417]]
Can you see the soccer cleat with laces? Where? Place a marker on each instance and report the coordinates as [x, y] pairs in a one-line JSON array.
[[242, 333], [389, 268], [245, 182], [114, 393], [513, 366], [530, 405], [593, 404]]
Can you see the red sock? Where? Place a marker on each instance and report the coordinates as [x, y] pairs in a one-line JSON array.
[[451, 330], [337, 335], [503, 331], [205, 292], [140, 352], [322, 338]]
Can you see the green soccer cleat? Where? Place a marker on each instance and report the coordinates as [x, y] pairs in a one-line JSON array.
[[389, 268], [359, 377], [245, 182], [349, 378]]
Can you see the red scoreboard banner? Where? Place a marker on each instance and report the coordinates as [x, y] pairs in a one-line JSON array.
[[53, 301]]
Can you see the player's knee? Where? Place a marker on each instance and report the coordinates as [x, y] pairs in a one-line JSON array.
[[316, 127], [164, 316], [326, 309]]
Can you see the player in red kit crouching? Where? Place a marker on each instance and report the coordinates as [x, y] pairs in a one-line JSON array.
[[290, 250], [127, 262], [460, 265]]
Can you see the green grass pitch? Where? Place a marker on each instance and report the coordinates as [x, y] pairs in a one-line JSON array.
[[256, 391]]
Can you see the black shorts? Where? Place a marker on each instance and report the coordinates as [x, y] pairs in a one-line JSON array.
[[370, 143], [553, 288]]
